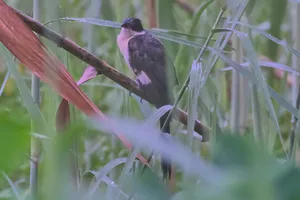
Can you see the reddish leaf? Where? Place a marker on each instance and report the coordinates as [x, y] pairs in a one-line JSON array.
[[63, 111], [30, 51], [62, 115], [88, 74]]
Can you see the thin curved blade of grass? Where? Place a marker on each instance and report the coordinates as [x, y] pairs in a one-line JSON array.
[[13, 186], [112, 184], [207, 114], [149, 138], [145, 107], [111, 24], [250, 7], [182, 54], [175, 39], [161, 30], [24, 44], [197, 15], [158, 114], [256, 114], [272, 38], [148, 186], [254, 64], [285, 104], [250, 76], [207, 99], [208, 92], [98, 22], [270, 64], [220, 30], [29, 102], [194, 91], [181, 41], [127, 167], [224, 38], [40, 136], [7, 75], [99, 175]]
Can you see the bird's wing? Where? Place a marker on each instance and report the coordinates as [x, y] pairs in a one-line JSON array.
[[148, 60], [171, 71]]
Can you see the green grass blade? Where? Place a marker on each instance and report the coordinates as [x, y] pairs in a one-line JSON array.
[[111, 24], [99, 175], [256, 114], [13, 186], [224, 37], [282, 43], [29, 102], [158, 114], [250, 76], [175, 32], [251, 55], [7, 75], [197, 15], [194, 91]]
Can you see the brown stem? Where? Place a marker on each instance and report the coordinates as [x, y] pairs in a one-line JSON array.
[[103, 67], [151, 9]]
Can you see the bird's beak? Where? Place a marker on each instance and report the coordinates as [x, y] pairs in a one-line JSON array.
[[123, 25]]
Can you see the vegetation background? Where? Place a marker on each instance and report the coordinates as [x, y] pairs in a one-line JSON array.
[[247, 98]]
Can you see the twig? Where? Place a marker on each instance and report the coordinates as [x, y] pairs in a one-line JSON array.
[[103, 68]]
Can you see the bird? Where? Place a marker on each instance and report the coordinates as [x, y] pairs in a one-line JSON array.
[[154, 71]]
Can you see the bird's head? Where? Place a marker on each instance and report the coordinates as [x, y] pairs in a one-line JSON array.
[[133, 24]]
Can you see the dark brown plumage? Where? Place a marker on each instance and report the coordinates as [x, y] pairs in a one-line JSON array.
[[155, 73]]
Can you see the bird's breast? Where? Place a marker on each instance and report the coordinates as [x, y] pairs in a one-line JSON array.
[[123, 46]]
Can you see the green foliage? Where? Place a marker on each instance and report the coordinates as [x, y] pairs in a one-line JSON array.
[[15, 140], [84, 163]]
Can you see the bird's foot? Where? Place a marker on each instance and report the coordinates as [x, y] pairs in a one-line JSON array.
[[137, 84]]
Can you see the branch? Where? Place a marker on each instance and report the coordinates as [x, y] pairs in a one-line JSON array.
[[103, 68]]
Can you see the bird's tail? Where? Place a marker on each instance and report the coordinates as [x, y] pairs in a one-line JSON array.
[[165, 162]]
